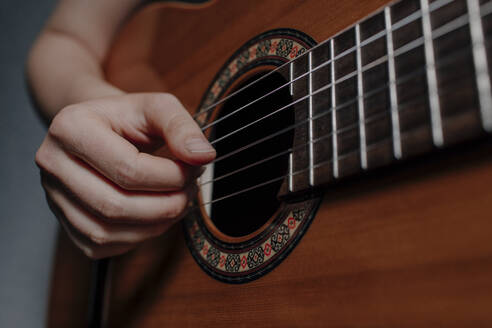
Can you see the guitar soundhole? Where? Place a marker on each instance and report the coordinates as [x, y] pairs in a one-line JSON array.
[[246, 212]]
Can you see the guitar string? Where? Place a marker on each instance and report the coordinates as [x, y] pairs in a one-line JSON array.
[[442, 63], [317, 116], [444, 29], [414, 44], [325, 87], [447, 28], [395, 26], [315, 166], [417, 14], [316, 140], [376, 36], [401, 107], [406, 105]]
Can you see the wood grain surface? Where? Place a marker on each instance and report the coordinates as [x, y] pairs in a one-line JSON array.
[[408, 246]]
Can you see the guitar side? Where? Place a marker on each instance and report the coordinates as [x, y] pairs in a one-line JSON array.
[[406, 247]]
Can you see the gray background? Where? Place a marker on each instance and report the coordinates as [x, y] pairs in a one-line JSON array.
[[27, 228]]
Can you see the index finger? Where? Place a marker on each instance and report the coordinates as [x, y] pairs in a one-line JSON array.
[[96, 143]]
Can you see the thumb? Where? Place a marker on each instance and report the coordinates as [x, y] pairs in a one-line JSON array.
[[167, 116]]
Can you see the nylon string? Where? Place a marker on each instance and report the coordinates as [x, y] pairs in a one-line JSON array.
[[445, 29]]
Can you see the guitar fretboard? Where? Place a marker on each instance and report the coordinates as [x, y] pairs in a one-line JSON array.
[[410, 78]]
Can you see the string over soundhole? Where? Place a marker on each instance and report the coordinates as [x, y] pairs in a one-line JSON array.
[[247, 166]]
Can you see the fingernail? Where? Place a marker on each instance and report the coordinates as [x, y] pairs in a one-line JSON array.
[[198, 145]]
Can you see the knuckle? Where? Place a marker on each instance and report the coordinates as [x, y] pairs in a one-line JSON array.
[[127, 174], [111, 208], [40, 158], [164, 98], [44, 159], [178, 124], [156, 101], [99, 237], [62, 123]]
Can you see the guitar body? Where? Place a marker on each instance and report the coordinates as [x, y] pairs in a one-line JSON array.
[[401, 247]]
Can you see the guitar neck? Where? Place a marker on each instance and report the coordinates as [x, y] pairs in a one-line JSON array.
[[411, 78]]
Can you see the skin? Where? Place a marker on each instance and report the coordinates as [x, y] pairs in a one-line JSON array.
[[102, 178]]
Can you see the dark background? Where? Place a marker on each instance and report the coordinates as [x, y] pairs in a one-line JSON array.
[[27, 228]]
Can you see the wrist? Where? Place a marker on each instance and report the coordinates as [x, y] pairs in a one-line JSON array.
[[89, 87]]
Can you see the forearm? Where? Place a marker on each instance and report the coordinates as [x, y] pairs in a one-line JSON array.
[[65, 63], [63, 71]]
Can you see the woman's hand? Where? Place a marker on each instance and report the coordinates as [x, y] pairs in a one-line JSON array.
[[100, 177]]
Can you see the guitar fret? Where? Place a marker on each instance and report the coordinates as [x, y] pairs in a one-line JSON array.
[[395, 119], [360, 100], [437, 131], [310, 113], [333, 112], [291, 172], [408, 114], [480, 63]]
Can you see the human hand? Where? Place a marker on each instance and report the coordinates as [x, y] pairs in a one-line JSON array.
[[101, 180]]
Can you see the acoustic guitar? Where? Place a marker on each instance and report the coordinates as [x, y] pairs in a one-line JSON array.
[[353, 182]]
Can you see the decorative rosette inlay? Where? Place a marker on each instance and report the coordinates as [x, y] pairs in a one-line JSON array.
[[250, 259]]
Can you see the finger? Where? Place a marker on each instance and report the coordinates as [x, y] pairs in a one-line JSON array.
[[168, 118], [90, 249], [94, 141], [110, 202], [97, 230]]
